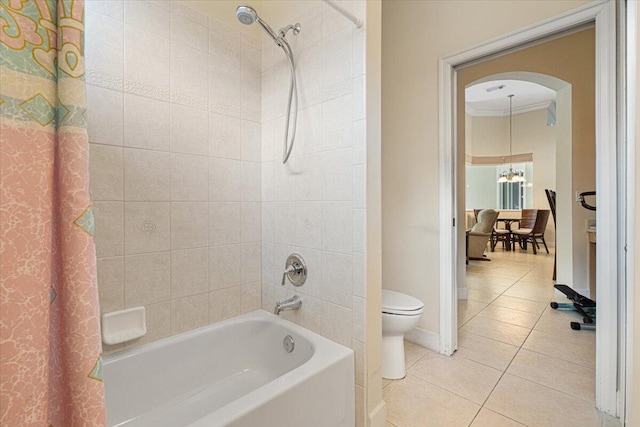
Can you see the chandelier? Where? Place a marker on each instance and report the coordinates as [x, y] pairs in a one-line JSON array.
[[511, 175]]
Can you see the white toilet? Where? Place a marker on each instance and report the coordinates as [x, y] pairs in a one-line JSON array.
[[400, 314]]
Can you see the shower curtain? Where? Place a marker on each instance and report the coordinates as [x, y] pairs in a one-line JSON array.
[[50, 365]]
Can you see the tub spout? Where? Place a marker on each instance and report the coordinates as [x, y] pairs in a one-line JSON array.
[[293, 303]]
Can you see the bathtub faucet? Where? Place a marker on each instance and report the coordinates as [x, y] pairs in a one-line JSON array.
[[293, 303]]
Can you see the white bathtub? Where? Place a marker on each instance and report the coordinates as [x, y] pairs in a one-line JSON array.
[[233, 373]]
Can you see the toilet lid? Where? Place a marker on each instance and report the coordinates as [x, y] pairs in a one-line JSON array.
[[398, 303]]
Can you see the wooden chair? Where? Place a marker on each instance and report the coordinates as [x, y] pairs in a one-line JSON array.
[[531, 235]]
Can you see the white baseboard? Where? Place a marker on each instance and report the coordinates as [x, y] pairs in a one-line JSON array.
[[462, 293], [425, 338], [378, 417]]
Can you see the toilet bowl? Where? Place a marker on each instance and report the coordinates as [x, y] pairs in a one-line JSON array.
[[400, 314]]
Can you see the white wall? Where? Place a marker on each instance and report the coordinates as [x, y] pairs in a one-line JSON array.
[[410, 125]]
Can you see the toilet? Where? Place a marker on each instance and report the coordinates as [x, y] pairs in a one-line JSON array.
[[400, 314]]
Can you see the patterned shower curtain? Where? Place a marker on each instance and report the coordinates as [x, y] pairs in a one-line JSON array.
[[50, 365]]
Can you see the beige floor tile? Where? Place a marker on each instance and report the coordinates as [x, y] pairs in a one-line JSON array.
[[536, 405], [559, 322], [390, 425], [386, 382], [509, 315], [486, 351], [413, 402], [487, 287], [567, 377], [570, 347], [520, 304], [530, 292], [499, 331], [458, 375], [481, 296], [488, 278], [467, 309], [487, 418], [413, 352]]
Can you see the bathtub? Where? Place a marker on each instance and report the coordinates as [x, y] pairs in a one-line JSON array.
[[233, 373]]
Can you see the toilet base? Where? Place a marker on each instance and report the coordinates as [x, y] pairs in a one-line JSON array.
[[393, 364]]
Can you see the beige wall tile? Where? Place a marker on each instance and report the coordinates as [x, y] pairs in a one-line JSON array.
[[359, 353], [336, 279], [251, 262], [336, 323], [147, 278], [251, 187], [109, 232], [189, 313], [111, 284], [146, 120], [251, 230], [225, 223], [224, 136], [105, 116], [189, 130], [189, 178], [225, 263], [189, 225], [189, 272], [146, 227], [158, 323], [224, 180], [146, 175], [225, 303], [107, 172]]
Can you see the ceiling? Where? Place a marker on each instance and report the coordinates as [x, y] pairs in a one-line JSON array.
[[527, 97]]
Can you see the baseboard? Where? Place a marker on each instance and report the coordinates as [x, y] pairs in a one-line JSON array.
[[378, 417], [425, 338], [462, 293]]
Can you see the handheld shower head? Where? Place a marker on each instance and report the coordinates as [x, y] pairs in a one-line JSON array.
[[246, 14]]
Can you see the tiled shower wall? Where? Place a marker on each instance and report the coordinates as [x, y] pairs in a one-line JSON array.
[[174, 104], [315, 204]]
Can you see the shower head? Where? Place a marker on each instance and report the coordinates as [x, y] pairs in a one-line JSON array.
[[246, 14]]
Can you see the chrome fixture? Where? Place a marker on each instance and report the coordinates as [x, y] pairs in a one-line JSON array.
[[293, 303], [511, 176], [288, 343], [247, 15], [295, 269]]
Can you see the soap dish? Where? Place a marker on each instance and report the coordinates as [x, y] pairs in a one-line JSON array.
[[124, 325]]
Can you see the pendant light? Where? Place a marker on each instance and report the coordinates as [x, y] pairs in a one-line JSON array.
[[511, 176]]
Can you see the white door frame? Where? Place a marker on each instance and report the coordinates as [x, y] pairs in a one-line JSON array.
[[603, 13]]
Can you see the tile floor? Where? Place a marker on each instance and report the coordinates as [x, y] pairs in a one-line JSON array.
[[518, 362]]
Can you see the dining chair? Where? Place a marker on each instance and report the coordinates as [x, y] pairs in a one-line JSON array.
[[531, 235]]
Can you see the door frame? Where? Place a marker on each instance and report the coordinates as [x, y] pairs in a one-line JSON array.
[[608, 161]]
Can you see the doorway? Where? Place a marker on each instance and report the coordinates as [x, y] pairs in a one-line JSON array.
[[607, 186]]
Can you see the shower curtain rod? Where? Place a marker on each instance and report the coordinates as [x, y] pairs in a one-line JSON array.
[[340, 9]]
